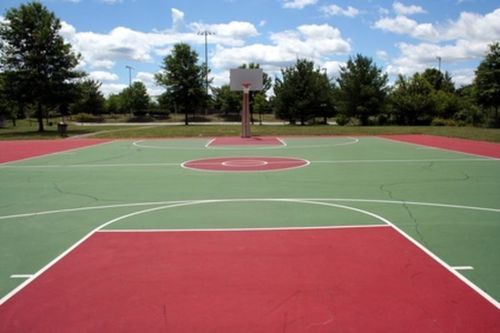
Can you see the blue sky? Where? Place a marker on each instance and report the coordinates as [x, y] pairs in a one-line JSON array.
[[402, 36]]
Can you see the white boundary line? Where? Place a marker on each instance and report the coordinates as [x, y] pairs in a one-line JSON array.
[[303, 201], [244, 229], [463, 268], [156, 203], [139, 143], [436, 148], [210, 142], [134, 165], [56, 153], [21, 276], [283, 142]]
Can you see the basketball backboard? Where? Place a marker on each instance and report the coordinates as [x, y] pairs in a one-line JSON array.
[[242, 76]]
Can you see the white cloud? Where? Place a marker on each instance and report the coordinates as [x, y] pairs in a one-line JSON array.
[[334, 10], [401, 9], [103, 50], [103, 76], [177, 19], [298, 4], [112, 2], [314, 42], [112, 88], [462, 40], [333, 68], [463, 76], [234, 29], [405, 26], [149, 81], [474, 26], [382, 55]]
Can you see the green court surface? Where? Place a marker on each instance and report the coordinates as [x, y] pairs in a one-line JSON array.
[[446, 201]]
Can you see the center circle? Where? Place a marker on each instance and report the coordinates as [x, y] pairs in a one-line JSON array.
[[245, 164]]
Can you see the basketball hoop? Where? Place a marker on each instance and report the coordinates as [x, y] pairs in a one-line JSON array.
[[246, 87]]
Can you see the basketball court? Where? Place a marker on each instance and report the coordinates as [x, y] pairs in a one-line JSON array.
[[263, 234]]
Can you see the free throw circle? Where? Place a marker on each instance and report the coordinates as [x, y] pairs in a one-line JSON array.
[[245, 164]]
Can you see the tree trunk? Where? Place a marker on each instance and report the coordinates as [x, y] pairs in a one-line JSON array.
[[39, 115], [186, 121]]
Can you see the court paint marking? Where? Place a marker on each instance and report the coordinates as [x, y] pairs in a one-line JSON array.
[[436, 148], [353, 140], [156, 203], [438, 260], [72, 150], [463, 268], [149, 210], [134, 165], [246, 229], [21, 276], [205, 164]]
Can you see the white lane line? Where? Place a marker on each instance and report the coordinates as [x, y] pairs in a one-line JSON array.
[[463, 268], [244, 229], [21, 276]]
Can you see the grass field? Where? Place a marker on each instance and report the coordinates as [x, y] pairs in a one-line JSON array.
[[117, 217], [28, 130]]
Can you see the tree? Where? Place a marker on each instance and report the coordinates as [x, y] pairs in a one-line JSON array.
[[184, 79], [487, 81], [90, 99], [304, 92], [411, 100], [227, 101], [136, 99], [362, 89], [35, 58], [439, 81]]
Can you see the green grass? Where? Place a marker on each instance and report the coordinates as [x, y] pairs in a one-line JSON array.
[[28, 130], [483, 134]]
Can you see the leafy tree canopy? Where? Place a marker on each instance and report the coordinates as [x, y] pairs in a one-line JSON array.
[[34, 57]]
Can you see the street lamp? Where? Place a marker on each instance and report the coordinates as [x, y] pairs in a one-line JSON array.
[[439, 63], [130, 68], [206, 33]]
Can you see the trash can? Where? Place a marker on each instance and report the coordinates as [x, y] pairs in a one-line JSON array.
[[62, 128]]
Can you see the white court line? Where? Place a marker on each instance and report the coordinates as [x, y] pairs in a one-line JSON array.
[[210, 142], [21, 276], [157, 203], [134, 165], [282, 141], [463, 268], [413, 160], [244, 229]]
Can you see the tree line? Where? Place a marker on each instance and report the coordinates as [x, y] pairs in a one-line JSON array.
[[39, 76]]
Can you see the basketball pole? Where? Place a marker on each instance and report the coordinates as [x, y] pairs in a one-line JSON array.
[[245, 116]]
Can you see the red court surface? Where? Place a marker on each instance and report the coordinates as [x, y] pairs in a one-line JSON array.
[[245, 164], [487, 149], [253, 141], [22, 149], [335, 280]]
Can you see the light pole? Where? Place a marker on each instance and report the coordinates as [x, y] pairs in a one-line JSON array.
[[130, 68], [439, 63], [206, 33]]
